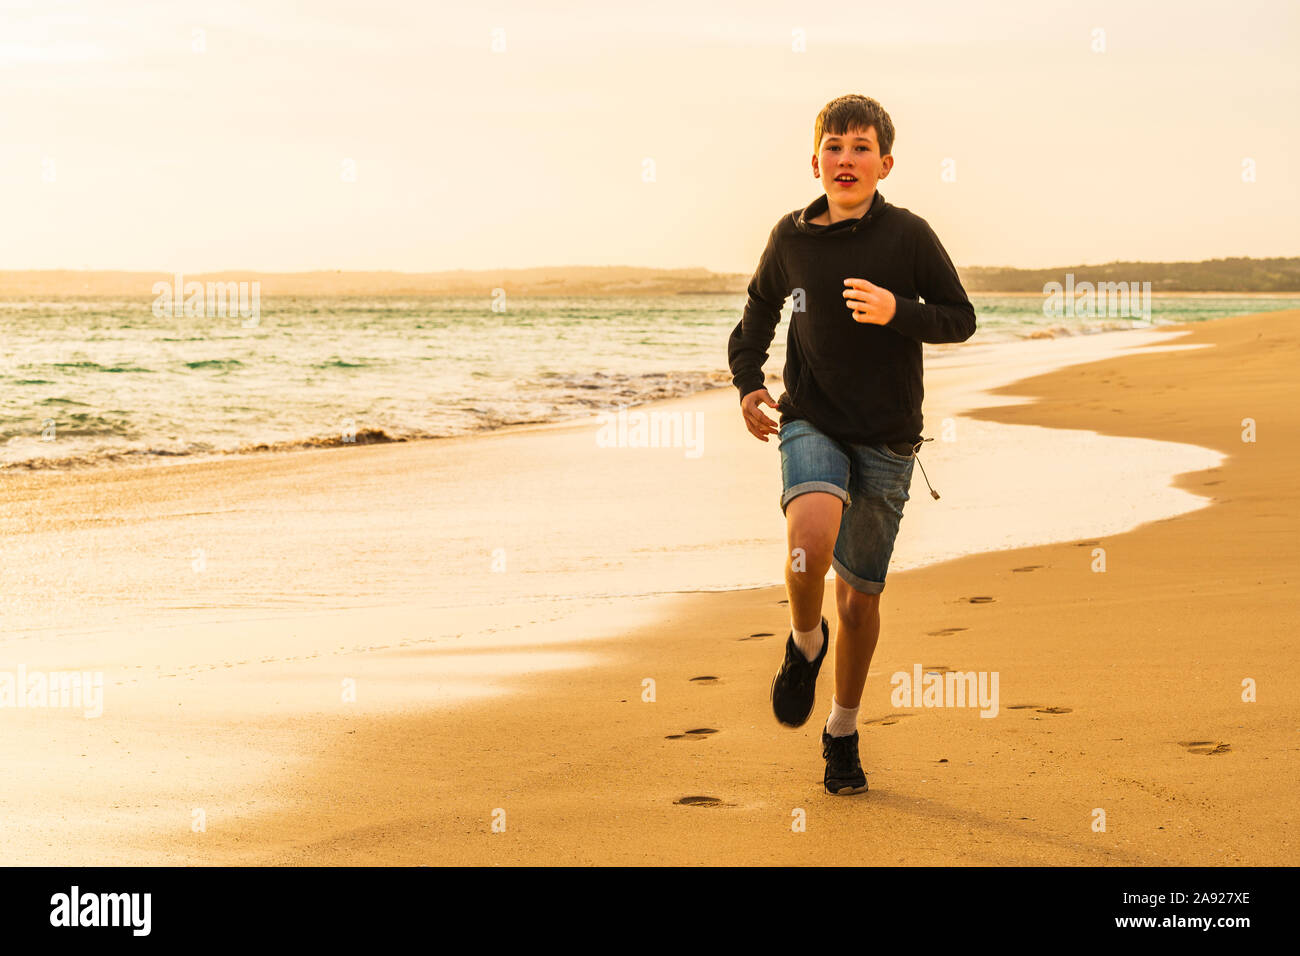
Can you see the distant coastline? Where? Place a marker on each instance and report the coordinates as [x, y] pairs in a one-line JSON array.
[[1237, 276]]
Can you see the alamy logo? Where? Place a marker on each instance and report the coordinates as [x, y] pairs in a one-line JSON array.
[[949, 689], [215, 300], [75, 908], [1104, 300], [68, 689], [652, 430]]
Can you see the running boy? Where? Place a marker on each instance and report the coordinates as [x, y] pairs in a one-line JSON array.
[[870, 283]]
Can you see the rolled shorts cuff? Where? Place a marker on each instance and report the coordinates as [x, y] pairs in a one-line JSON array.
[[794, 491], [856, 582]]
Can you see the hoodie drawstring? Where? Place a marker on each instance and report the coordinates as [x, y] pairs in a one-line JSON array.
[[916, 453]]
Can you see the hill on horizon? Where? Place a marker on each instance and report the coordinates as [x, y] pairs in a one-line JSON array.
[[1233, 275]]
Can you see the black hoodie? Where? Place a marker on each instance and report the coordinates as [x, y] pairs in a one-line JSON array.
[[857, 382]]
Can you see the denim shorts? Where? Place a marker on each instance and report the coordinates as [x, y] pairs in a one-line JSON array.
[[871, 480]]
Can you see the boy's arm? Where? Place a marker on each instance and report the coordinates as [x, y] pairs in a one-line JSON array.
[[751, 338], [946, 315]]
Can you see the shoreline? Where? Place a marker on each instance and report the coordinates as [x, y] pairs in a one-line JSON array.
[[695, 549]]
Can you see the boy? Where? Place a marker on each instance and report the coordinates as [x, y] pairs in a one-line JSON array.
[[851, 420]]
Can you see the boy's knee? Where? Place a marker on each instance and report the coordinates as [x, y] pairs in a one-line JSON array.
[[810, 556], [812, 525]]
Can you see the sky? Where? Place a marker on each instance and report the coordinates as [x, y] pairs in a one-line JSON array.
[[290, 136]]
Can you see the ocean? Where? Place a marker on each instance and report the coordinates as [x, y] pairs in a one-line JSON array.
[[87, 382]]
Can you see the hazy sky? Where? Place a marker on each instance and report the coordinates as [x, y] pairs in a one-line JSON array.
[[178, 135]]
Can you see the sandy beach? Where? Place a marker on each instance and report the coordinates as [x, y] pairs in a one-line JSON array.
[[442, 652]]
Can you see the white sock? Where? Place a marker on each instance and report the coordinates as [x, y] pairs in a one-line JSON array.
[[810, 642], [842, 721]]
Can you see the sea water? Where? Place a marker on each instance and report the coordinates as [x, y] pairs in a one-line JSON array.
[[93, 381]]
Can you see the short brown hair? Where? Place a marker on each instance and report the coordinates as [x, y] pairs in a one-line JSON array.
[[854, 111]]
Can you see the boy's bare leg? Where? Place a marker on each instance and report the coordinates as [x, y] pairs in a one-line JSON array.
[[855, 641], [812, 523]]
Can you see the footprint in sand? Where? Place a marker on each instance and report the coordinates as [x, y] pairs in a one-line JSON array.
[[982, 599], [1207, 747], [1028, 567], [1085, 544], [887, 720], [935, 668], [755, 636], [707, 679], [1041, 709], [1208, 483], [945, 632], [695, 734], [698, 802]]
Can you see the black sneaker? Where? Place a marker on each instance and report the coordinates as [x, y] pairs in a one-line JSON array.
[[843, 768], [794, 689]]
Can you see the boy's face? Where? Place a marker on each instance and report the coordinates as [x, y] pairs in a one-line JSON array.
[[854, 155]]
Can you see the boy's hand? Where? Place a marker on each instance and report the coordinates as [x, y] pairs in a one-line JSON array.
[[869, 303], [759, 425]]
